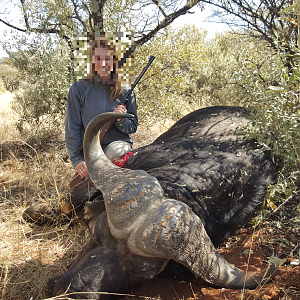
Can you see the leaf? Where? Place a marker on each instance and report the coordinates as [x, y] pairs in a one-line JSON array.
[[271, 204], [297, 75], [290, 20], [276, 260], [277, 89], [295, 262], [291, 79], [289, 8], [247, 251]]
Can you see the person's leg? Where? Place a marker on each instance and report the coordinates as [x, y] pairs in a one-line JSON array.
[[71, 203], [117, 149], [80, 190]]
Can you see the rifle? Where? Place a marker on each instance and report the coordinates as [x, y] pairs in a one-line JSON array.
[[108, 125]]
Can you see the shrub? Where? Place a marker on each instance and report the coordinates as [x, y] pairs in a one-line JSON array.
[[168, 90], [270, 89], [10, 77], [46, 72], [190, 72]]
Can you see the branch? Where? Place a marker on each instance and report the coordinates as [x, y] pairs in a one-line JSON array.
[[85, 6], [260, 18], [232, 12], [78, 17], [160, 8], [97, 14], [272, 213], [12, 26], [167, 21], [24, 14], [38, 30]]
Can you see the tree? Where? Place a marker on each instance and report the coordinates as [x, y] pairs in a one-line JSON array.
[[270, 84], [64, 18], [275, 21]]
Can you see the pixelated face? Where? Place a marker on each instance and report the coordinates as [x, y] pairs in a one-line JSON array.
[[102, 59]]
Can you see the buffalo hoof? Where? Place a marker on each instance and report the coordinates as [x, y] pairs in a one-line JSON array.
[[41, 214]]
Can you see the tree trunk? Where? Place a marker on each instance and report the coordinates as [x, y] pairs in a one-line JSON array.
[[96, 7]]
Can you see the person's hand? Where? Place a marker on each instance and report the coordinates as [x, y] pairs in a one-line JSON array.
[[81, 169], [120, 109]]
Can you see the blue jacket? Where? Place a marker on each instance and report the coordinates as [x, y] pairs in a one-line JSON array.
[[87, 100]]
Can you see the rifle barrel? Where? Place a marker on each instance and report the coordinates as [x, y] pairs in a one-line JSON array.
[[125, 99]]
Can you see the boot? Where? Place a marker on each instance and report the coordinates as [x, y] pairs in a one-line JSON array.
[[41, 214]]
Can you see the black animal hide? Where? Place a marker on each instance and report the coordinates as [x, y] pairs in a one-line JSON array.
[[206, 161]]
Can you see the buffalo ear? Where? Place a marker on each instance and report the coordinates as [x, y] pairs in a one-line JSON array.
[[51, 285]]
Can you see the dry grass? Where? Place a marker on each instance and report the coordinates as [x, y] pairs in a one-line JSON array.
[[8, 116], [29, 254], [32, 170]]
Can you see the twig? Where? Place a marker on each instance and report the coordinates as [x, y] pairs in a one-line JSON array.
[[277, 209], [63, 296]]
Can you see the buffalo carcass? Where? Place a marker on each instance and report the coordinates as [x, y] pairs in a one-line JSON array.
[[205, 161]]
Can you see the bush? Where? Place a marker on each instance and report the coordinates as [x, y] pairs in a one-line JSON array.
[[270, 89], [169, 88], [231, 69], [10, 77], [46, 69], [190, 72]]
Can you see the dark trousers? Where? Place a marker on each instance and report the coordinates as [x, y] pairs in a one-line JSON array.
[[80, 191]]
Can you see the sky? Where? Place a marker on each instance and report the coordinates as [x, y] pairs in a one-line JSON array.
[[198, 18]]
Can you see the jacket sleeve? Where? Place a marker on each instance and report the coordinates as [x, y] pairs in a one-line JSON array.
[[129, 126], [74, 128]]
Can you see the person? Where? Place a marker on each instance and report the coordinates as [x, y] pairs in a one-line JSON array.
[[99, 92]]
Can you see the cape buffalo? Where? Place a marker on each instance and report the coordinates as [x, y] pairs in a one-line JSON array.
[[177, 199]]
